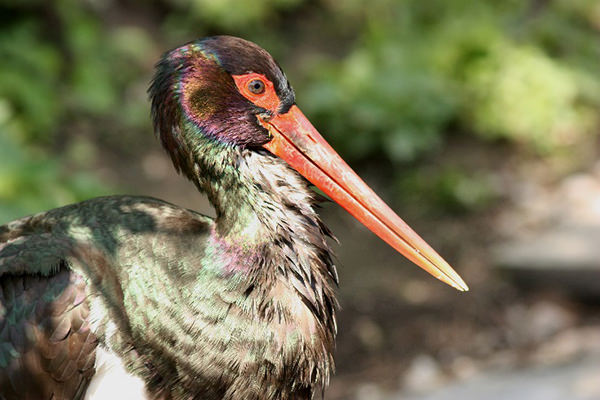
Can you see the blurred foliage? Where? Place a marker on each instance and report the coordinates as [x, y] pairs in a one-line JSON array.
[[31, 182], [451, 189], [233, 14], [489, 66], [379, 78]]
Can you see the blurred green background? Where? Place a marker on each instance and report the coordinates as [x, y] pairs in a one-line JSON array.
[[394, 80], [444, 105]]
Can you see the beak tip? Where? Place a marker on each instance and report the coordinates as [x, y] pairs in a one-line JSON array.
[[445, 273], [460, 285], [453, 279]]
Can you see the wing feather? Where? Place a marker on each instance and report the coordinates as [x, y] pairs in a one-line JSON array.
[[46, 347], [47, 261]]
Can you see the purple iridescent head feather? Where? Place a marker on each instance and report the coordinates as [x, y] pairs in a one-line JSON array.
[[193, 94]]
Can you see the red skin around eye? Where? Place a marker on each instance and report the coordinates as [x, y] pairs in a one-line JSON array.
[[267, 99]]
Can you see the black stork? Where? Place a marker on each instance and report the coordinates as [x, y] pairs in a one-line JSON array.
[[134, 298]]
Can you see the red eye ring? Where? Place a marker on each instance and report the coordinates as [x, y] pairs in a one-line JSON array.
[[257, 86], [258, 89]]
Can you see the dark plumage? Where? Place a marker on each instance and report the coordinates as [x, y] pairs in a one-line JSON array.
[[237, 308], [132, 297]]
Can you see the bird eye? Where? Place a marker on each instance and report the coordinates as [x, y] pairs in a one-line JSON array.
[[256, 86]]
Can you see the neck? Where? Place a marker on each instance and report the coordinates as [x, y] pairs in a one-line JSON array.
[[265, 211], [270, 238], [257, 197]]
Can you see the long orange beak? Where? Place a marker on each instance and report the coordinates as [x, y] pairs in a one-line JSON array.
[[298, 143]]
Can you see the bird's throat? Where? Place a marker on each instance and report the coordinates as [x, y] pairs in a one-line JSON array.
[[268, 238], [257, 197]]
